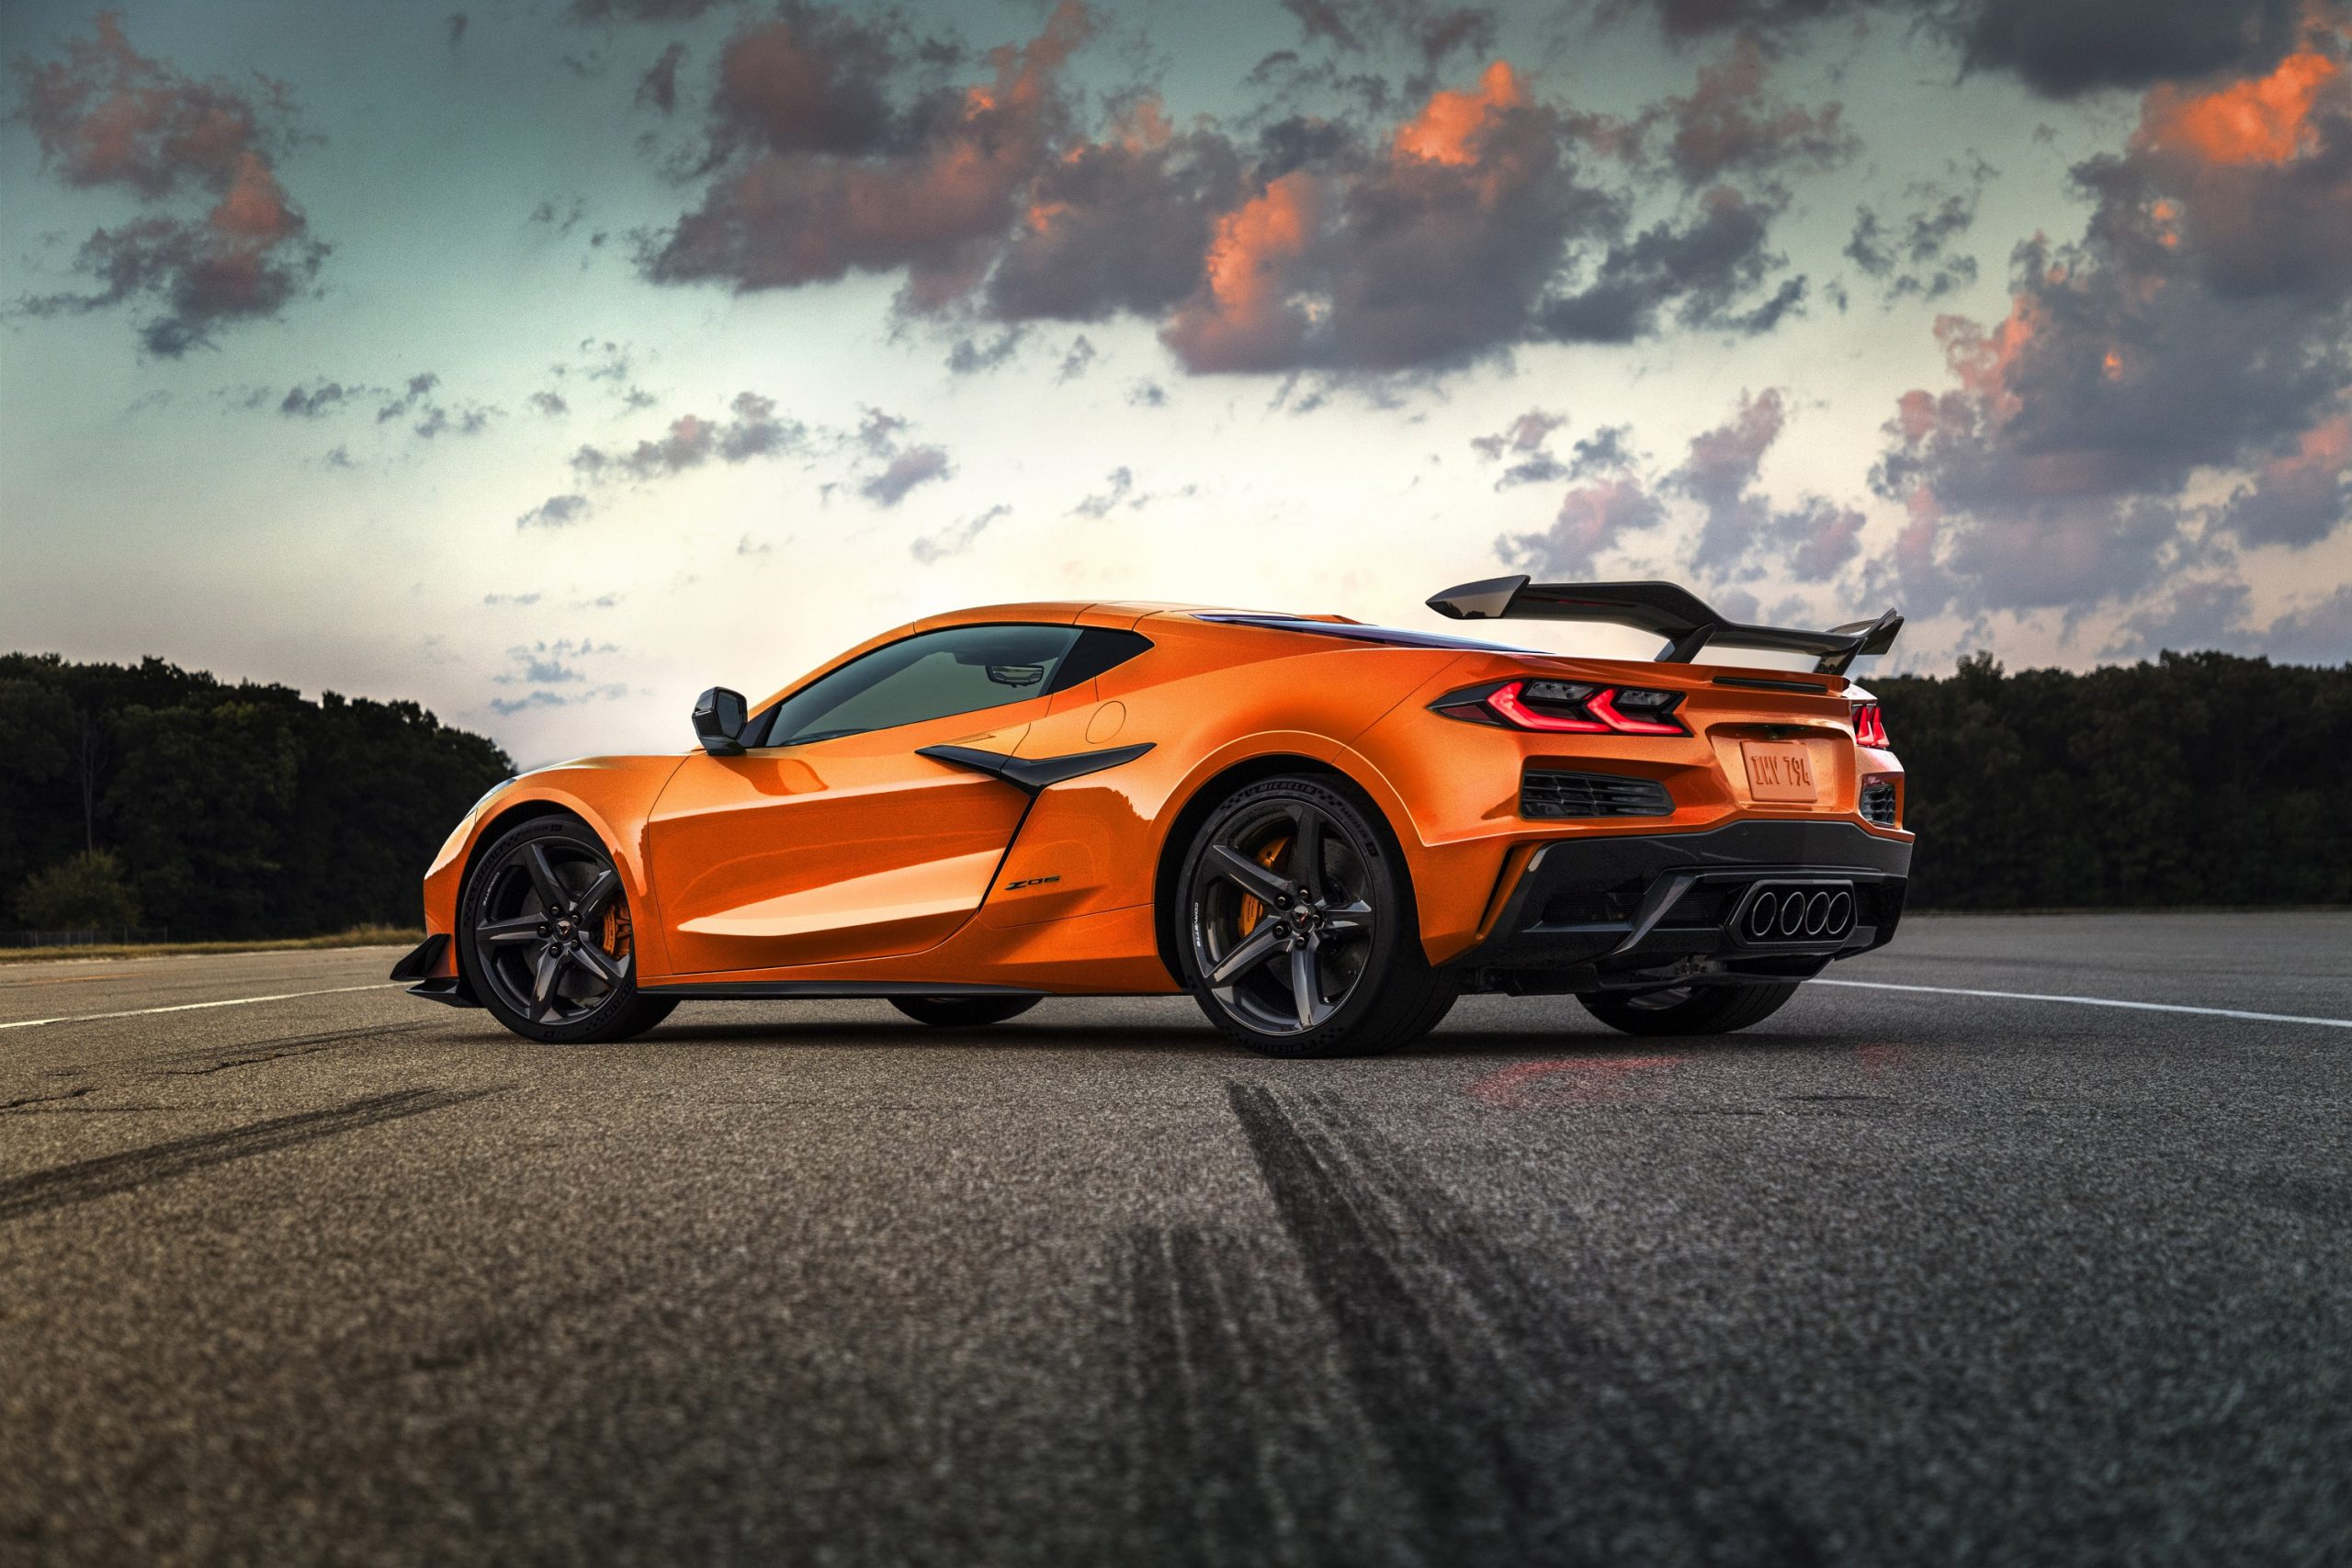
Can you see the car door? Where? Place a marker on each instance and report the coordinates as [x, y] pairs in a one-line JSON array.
[[831, 837]]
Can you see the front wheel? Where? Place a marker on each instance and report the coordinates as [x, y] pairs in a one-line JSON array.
[[546, 939], [1297, 934], [1689, 1010], [962, 1012]]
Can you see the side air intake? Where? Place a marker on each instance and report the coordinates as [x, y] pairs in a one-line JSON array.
[[1545, 793], [1877, 801]]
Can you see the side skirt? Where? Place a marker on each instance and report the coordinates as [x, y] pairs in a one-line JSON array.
[[823, 991]]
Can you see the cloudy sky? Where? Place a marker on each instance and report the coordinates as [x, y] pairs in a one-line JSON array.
[[547, 362]]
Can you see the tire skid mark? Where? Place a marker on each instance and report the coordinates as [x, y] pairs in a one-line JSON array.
[[32, 1099], [1524, 1433], [1200, 1481], [1845, 1105], [1234, 1461], [218, 1058], [276, 1049], [61, 1185]]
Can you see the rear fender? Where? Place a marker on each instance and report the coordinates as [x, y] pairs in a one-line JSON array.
[[1451, 883]]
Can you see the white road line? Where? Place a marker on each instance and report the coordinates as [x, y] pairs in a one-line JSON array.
[[191, 1007], [2094, 1002]]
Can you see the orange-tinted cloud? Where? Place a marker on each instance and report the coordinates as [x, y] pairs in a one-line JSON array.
[[1982, 361], [1122, 222], [1447, 129], [2192, 335], [106, 115], [2267, 119], [843, 182], [1323, 243], [1729, 123], [2301, 496], [1741, 531], [1246, 319], [1592, 518], [752, 430]]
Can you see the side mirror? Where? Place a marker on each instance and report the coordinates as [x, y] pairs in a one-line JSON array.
[[718, 720]]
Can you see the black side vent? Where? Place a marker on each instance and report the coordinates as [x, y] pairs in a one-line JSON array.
[[1542, 793], [1877, 803]]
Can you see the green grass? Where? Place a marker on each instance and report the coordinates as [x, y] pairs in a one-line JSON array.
[[358, 936]]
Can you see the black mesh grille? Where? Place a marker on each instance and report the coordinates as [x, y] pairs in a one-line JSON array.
[[1878, 803], [1545, 794]]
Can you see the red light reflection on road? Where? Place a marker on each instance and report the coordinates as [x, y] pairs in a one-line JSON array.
[[1574, 1080]]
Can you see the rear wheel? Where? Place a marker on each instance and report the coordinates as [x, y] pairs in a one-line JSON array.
[[1689, 1010], [547, 940], [1296, 928], [963, 1012]]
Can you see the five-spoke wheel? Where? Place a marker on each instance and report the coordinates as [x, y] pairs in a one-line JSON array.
[[547, 939], [1296, 926]]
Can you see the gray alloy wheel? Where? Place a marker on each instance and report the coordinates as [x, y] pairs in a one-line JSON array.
[[548, 942], [1297, 929]]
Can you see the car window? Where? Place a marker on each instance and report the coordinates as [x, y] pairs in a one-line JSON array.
[[930, 675]]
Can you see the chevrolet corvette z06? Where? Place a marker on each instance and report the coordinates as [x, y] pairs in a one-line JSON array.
[[1324, 831]]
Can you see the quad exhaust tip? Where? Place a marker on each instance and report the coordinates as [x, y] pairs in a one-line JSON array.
[[1808, 912]]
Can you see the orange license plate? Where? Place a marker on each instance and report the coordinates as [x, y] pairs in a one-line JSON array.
[[1779, 771]]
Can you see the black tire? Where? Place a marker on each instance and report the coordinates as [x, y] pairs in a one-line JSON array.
[[545, 937], [963, 1012], [1689, 1010], [1256, 920]]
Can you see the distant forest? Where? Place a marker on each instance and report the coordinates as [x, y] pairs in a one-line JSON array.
[[157, 797], [2203, 778]]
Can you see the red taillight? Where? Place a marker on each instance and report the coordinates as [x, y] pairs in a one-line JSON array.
[[1870, 725], [1505, 701], [1605, 707], [1572, 709]]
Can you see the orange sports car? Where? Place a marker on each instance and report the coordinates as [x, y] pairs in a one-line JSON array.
[[1324, 831]]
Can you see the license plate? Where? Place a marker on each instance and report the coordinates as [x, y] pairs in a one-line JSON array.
[[1778, 770]]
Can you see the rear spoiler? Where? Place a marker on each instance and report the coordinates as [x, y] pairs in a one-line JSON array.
[[1673, 612]]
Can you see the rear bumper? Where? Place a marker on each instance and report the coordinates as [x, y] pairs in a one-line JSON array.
[[1591, 914]]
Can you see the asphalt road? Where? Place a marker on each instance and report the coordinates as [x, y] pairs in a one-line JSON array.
[[1897, 1276]]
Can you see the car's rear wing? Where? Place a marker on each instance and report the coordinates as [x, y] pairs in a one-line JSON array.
[[1673, 612]]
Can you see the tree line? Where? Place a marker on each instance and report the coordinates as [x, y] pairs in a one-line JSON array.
[[151, 795], [2201, 778]]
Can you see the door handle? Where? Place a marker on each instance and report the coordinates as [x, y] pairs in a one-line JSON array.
[[1030, 774]]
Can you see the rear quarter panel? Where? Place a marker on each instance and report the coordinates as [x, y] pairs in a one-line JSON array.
[[1208, 698]]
